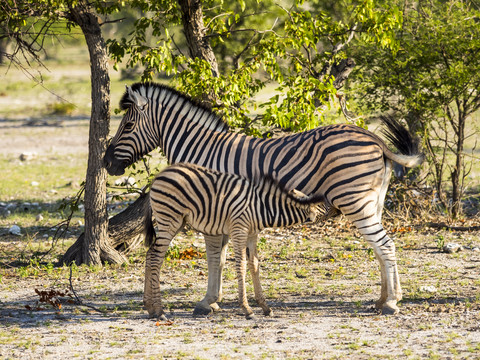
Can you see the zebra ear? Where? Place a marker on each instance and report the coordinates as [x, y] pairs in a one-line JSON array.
[[139, 100]]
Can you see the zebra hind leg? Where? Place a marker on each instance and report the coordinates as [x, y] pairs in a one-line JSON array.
[[216, 254], [253, 266], [364, 214], [384, 249], [384, 281]]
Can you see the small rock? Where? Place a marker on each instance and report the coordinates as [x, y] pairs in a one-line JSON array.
[[39, 217], [14, 230], [34, 183], [28, 155], [451, 248], [429, 289], [126, 180], [476, 248]]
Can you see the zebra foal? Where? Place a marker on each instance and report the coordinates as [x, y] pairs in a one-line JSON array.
[[216, 203]]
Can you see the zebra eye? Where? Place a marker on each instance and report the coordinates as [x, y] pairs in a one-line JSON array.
[[129, 125]]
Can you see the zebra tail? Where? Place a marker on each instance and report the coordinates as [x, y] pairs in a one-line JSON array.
[[410, 154], [149, 229]]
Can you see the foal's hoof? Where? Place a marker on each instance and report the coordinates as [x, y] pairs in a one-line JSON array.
[[162, 317], [268, 312], [159, 315], [250, 316], [379, 304], [202, 311]]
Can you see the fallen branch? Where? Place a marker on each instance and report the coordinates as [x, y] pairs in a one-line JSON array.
[[451, 227], [77, 299]]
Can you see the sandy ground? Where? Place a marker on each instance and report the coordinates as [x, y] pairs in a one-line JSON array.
[[327, 313], [316, 316]]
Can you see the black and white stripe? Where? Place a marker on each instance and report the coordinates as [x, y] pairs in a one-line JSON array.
[[348, 165], [216, 203]]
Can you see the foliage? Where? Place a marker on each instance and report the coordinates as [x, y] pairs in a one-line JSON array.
[[29, 24], [256, 44], [432, 81]]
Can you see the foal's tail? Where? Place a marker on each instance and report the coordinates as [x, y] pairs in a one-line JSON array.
[[149, 229]]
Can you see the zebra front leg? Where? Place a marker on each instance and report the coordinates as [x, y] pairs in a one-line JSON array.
[[152, 297], [253, 266], [216, 247]]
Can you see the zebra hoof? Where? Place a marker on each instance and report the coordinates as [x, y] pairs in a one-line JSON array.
[[159, 315], [268, 312], [215, 307], [201, 311], [379, 304], [390, 309], [250, 316], [162, 317]]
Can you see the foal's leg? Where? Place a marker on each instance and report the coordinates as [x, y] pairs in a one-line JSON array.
[[216, 253], [253, 266], [152, 297], [240, 248]]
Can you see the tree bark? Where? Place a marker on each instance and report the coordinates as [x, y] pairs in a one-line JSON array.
[[198, 44], [125, 230], [3, 50], [95, 247], [125, 233], [458, 171]]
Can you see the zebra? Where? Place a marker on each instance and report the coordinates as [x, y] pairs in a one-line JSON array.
[[216, 203], [346, 164]]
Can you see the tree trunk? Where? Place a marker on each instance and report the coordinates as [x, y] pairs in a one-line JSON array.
[[457, 173], [125, 232], [198, 44], [3, 50], [95, 247]]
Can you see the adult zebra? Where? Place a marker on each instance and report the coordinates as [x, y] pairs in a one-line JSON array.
[[349, 166], [218, 203]]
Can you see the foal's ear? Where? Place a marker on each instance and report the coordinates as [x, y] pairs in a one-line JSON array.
[[297, 194]]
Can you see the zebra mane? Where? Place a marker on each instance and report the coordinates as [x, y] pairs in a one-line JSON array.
[[152, 90], [267, 182]]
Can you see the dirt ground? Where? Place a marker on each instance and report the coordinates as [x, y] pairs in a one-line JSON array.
[[321, 283], [319, 312]]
